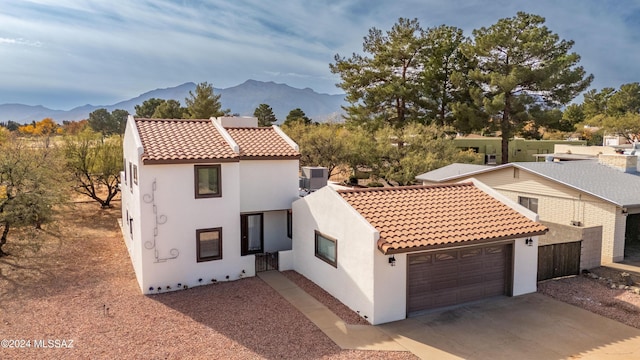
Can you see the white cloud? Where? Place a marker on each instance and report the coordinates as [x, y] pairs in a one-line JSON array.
[[124, 48]]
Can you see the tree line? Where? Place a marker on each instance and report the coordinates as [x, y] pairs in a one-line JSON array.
[[510, 78], [408, 93]]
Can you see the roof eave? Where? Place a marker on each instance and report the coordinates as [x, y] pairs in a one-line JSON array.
[[188, 161], [389, 250]]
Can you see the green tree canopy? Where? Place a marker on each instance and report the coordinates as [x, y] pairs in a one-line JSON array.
[[384, 86], [443, 80], [404, 153], [148, 107], [31, 185], [203, 104], [169, 109], [523, 70], [94, 164], [264, 114], [107, 123], [617, 112], [297, 115]]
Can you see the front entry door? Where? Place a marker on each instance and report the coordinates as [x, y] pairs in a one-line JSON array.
[[252, 234]]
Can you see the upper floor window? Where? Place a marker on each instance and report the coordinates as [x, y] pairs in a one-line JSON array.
[[130, 172], [125, 170], [135, 174], [207, 181], [529, 203]]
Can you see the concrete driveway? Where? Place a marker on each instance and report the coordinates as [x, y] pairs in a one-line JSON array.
[[525, 327]]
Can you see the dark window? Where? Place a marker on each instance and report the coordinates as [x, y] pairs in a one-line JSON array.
[[252, 234], [135, 174], [130, 182], [289, 223], [327, 249], [124, 164], [529, 203], [209, 244], [207, 181]]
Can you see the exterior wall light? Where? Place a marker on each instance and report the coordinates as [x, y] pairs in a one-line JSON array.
[[392, 260], [528, 241]]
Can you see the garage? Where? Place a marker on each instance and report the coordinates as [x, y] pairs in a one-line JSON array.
[[457, 276]]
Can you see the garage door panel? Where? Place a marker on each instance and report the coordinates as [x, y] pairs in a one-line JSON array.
[[456, 276], [471, 280]]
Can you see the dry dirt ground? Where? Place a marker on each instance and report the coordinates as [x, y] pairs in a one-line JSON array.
[[78, 290], [76, 294]]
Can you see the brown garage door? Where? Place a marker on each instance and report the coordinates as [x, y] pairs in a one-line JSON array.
[[457, 276]]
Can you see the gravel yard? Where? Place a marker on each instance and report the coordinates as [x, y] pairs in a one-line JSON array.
[[78, 287], [602, 291]]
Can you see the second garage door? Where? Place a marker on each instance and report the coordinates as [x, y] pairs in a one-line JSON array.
[[457, 276]]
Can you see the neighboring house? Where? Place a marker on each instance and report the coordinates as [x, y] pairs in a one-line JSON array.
[[390, 252], [519, 149], [589, 195], [201, 197]]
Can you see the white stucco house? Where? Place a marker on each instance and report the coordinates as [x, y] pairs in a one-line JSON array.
[[390, 252], [201, 197]]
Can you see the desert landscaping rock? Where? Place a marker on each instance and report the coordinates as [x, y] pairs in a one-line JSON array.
[[80, 285]]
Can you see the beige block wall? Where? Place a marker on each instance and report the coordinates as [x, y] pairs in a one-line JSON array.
[[590, 241], [561, 204], [589, 213], [591, 251]]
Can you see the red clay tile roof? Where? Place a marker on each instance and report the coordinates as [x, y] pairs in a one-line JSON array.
[[422, 217], [198, 140], [261, 142], [178, 140]]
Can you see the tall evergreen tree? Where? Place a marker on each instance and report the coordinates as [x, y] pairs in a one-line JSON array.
[[443, 79], [297, 115], [203, 104], [384, 87], [523, 71], [265, 115]]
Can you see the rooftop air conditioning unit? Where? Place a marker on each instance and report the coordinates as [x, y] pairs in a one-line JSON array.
[[576, 223], [314, 177], [491, 159]]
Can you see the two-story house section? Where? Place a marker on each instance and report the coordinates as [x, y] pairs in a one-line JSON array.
[[201, 197]]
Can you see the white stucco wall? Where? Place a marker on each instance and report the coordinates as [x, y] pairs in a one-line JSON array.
[[525, 266], [352, 282], [131, 231], [268, 184], [390, 288], [174, 199], [275, 231]]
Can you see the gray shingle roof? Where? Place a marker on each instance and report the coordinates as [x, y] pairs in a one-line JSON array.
[[450, 171], [622, 189], [588, 176]]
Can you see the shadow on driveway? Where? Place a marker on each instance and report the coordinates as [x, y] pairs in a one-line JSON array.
[[531, 326]]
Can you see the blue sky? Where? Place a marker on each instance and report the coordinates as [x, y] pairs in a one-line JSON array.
[[67, 53]]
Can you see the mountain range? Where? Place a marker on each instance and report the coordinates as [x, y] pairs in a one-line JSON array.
[[242, 99]]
